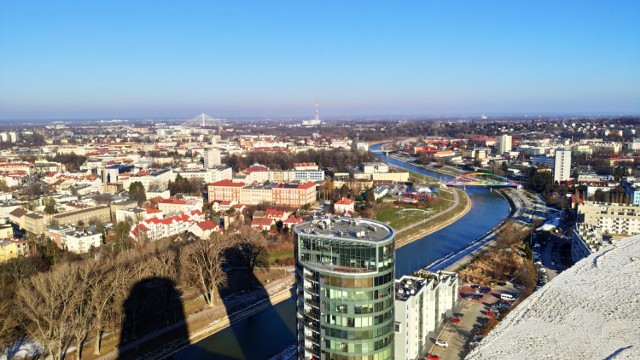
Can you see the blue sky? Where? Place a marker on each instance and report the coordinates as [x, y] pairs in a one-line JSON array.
[[138, 59]]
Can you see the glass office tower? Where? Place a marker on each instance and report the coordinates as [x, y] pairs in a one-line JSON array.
[[345, 289]]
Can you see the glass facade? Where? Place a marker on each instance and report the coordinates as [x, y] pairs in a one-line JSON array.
[[345, 289]]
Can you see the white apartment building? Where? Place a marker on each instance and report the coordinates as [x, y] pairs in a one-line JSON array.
[[209, 175], [562, 166], [75, 240], [154, 229], [615, 219], [504, 144], [212, 158], [159, 178], [374, 167], [587, 239], [421, 303]]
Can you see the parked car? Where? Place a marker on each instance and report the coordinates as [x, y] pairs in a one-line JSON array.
[[432, 357], [455, 320], [502, 283], [519, 287], [485, 289], [442, 343]]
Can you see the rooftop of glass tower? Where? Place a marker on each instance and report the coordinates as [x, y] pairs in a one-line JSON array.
[[345, 228]]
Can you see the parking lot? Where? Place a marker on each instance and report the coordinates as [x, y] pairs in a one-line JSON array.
[[472, 312]]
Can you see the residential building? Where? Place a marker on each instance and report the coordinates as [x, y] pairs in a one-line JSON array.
[[225, 190], [615, 219], [6, 231], [73, 239], [345, 289], [256, 174], [35, 223], [175, 205], [154, 229], [8, 250], [305, 166], [294, 194], [256, 194], [374, 167], [262, 223], [543, 160], [136, 214], [562, 166], [209, 175], [402, 176], [504, 144], [212, 158], [602, 224], [632, 189], [587, 239], [422, 303], [204, 229], [17, 217], [100, 213], [155, 179], [344, 206]]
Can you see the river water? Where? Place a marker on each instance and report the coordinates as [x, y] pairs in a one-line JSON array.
[[270, 331]]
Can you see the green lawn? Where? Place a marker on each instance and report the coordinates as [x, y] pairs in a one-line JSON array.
[[400, 217]]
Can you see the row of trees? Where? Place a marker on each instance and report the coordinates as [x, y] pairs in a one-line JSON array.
[[62, 307], [336, 159]]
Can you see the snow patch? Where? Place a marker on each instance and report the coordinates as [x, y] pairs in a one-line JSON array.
[[591, 311]]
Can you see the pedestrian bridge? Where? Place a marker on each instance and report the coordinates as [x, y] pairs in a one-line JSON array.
[[482, 179]]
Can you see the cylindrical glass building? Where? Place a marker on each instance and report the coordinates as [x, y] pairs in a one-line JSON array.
[[345, 282]]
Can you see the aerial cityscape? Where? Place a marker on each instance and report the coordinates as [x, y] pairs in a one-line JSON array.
[[327, 181]]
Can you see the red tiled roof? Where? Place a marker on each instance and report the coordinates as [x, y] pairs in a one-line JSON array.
[[292, 220], [256, 169], [274, 212], [344, 201], [227, 183], [207, 225], [261, 222], [173, 200]]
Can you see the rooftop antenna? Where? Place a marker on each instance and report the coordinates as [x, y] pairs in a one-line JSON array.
[[317, 110]]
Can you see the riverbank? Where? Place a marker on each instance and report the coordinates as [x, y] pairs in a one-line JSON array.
[[468, 255], [460, 207]]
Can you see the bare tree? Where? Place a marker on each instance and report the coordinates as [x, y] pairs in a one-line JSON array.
[[103, 287], [82, 314], [45, 302], [251, 248], [202, 261], [7, 323]]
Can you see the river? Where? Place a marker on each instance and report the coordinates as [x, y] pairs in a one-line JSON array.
[[271, 330]]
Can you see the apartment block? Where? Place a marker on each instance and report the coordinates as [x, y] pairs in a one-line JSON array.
[[294, 194], [422, 303]]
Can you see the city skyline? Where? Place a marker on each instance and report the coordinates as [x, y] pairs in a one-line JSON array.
[[75, 60]]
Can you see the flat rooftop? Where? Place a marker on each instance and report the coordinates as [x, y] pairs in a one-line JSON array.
[[344, 228]]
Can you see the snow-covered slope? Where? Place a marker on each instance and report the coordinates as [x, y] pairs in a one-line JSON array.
[[591, 311]]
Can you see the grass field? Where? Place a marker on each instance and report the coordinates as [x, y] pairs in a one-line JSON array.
[[399, 217]]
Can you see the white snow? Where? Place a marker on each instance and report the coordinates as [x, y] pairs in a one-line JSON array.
[[590, 311]]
